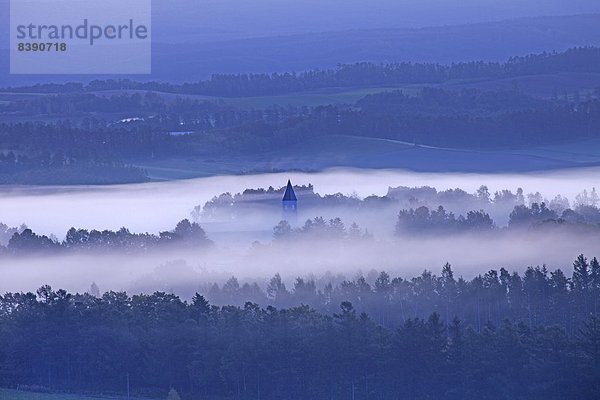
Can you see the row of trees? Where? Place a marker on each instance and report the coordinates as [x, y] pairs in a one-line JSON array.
[[148, 107], [91, 145], [536, 297], [501, 202], [204, 114], [436, 101], [524, 127], [582, 59], [186, 234], [318, 229], [79, 342], [65, 146], [422, 124], [422, 220]]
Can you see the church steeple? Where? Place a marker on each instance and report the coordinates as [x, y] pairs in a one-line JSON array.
[[289, 194], [289, 201]]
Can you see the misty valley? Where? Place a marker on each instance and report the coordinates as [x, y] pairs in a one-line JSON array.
[[252, 236], [293, 200], [461, 273]]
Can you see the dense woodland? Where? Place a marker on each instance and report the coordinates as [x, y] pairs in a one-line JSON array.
[[23, 241], [538, 217], [88, 134], [420, 210], [498, 336], [508, 335], [61, 146], [535, 219], [527, 127], [227, 205]]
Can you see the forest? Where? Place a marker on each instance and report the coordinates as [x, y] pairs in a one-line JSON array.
[[417, 212], [420, 210], [23, 241], [413, 222], [75, 134], [437, 239], [500, 335], [236, 132]]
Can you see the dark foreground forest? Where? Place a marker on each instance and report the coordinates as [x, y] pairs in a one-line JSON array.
[[446, 338]]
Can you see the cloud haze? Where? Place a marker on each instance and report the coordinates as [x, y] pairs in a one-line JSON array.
[[154, 207]]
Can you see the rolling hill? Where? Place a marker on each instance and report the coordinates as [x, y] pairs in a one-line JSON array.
[[491, 41]]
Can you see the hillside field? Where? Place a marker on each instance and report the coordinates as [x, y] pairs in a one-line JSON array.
[[349, 151]]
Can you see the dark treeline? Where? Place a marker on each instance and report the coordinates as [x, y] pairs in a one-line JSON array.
[[72, 104], [149, 111], [409, 222], [319, 229], [439, 221], [26, 242], [37, 153], [435, 101], [582, 59], [35, 147], [65, 143], [78, 145], [530, 337], [435, 117], [422, 210], [422, 220], [508, 129], [47, 169], [536, 297], [85, 137], [145, 104], [92, 145], [62, 153], [227, 205]]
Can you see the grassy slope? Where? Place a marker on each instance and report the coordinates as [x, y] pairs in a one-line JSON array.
[[347, 151], [308, 98]]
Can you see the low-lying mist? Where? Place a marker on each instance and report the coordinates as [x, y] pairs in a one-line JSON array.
[[153, 207], [185, 272], [245, 247]]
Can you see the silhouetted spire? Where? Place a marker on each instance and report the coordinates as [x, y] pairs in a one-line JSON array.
[[289, 194]]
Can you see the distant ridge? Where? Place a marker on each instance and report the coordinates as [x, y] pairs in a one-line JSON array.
[[492, 41], [577, 60]]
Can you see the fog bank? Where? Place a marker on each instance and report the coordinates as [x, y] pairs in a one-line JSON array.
[[153, 207], [245, 247]]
